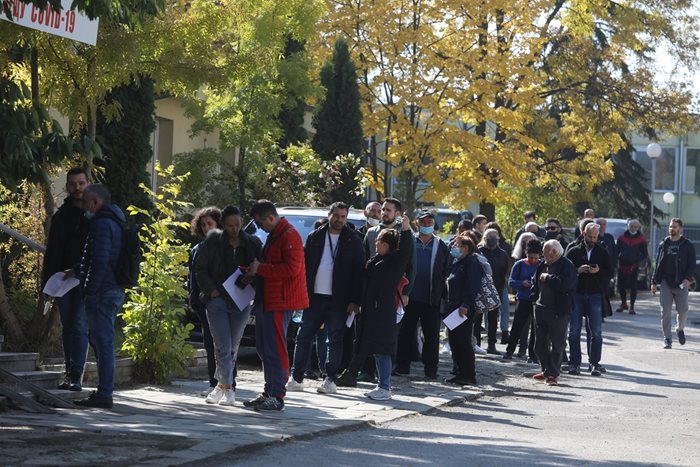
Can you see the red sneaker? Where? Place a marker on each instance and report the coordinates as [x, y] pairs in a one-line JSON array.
[[539, 376], [551, 381]]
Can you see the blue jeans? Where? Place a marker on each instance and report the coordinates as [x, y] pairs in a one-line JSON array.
[[101, 311], [227, 324], [75, 330], [505, 309], [383, 370], [320, 311], [271, 344], [589, 306]]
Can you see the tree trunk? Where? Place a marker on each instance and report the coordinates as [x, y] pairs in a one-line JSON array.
[[11, 328], [242, 178]]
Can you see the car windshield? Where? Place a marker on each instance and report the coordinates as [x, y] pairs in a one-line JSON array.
[[304, 224]]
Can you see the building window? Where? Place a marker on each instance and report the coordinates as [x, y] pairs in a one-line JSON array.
[[692, 171], [665, 168]]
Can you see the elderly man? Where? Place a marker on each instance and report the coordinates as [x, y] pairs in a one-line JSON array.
[[675, 262], [631, 250], [432, 266], [592, 263], [373, 217], [552, 292]]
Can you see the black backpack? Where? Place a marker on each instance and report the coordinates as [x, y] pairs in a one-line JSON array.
[[128, 266]]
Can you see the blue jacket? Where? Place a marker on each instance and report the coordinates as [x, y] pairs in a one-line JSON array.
[[522, 271], [101, 252]]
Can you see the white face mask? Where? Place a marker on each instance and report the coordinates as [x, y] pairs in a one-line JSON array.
[[372, 221]]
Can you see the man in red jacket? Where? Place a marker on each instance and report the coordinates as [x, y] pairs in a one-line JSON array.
[[282, 280]]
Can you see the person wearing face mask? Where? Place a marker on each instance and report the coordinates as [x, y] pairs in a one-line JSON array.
[[102, 295], [631, 250], [64, 248], [554, 232], [521, 280], [373, 217], [203, 222], [432, 265], [592, 264], [499, 262]]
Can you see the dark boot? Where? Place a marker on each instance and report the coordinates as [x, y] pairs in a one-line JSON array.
[[347, 380], [76, 382], [505, 336]]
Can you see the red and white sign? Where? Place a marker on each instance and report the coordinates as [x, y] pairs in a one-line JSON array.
[[65, 23]]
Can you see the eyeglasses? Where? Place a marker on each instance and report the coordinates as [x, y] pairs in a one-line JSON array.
[[552, 227]]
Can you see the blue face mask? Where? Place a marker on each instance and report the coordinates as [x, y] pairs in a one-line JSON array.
[[426, 230], [455, 252], [89, 214]]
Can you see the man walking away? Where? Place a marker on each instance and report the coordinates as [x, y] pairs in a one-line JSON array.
[[675, 262], [281, 290], [432, 267], [102, 294], [334, 273], [64, 248], [499, 261]]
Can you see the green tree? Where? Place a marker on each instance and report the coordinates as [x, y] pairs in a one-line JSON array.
[[291, 116], [126, 141], [338, 119], [154, 335]]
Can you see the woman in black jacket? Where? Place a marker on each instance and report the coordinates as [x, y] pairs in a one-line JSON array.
[[204, 220], [220, 255], [379, 329], [463, 283]]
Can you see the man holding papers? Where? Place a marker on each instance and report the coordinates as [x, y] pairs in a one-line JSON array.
[[462, 286], [64, 248], [220, 256], [334, 272]]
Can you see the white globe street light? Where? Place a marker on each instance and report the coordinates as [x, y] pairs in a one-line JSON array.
[[653, 151], [669, 198]]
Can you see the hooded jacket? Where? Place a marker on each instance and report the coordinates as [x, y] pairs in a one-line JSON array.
[[104, 242]]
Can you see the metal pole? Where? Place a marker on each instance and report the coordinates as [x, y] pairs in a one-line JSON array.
[[652, 231]]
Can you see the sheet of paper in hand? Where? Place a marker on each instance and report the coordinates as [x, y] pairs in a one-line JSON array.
[[242, 296]]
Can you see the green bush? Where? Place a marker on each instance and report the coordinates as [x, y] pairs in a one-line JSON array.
[[154, 335]]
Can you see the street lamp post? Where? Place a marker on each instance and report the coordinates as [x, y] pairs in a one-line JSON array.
[[653, 151], [669, 198]]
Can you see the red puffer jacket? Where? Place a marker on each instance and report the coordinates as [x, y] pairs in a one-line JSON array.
[[283, 270]]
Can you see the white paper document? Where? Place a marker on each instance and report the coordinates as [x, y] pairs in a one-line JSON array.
[[399, 313], [351, 318], [58, 284], [453, 319], [241, 297]]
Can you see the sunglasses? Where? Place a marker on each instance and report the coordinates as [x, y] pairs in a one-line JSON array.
[[552, 227]]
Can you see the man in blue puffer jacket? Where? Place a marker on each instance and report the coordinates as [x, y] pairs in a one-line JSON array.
[[102, 294]]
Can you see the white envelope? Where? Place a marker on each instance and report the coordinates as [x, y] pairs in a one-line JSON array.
[[453, 319], [58, 285], [351, 318], [241, 297]]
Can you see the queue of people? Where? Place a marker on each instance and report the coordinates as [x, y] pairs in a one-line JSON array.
[[367, 289]]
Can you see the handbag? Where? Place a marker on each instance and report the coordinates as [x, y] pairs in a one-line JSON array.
[[487, 298]]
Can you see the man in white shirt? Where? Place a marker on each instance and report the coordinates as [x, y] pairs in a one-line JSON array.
[[334, 271]]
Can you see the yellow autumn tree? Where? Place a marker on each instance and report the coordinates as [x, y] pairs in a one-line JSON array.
[[478, 97]]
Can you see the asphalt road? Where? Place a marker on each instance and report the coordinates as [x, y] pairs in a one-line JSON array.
[[643, 411]]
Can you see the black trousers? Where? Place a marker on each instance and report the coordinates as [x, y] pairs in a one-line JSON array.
[[550, 339], [429, 317], [522, 321], [491, 326], [460, 339], [628, 281], [359, 361]]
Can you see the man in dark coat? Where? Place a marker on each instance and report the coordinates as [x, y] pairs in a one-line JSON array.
[[432, 266], [592, 263], [64, 248], [334, 273], [499, 262], [631, 250]]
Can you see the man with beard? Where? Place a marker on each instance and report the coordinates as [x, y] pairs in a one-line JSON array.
[[592, 263], [64, 248]]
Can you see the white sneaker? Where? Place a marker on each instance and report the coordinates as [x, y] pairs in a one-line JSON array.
[[294, 386], [229, 397], [479, 351], [327, 387], [379, 394], [215, 396]]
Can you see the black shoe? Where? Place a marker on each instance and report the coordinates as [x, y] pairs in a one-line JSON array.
[[574, 370], [271, 404], [597, 366], [595, 371], [492, 350], [76, 382], [521, 356], [311, 374], [400, 372], [507, 356], [533, 360], [65, 384], [667, 343], [431, 374], [681, 337], [504, 337], [258, 400], [366, 378], [96, 401], [459, 380], [346, 380]]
